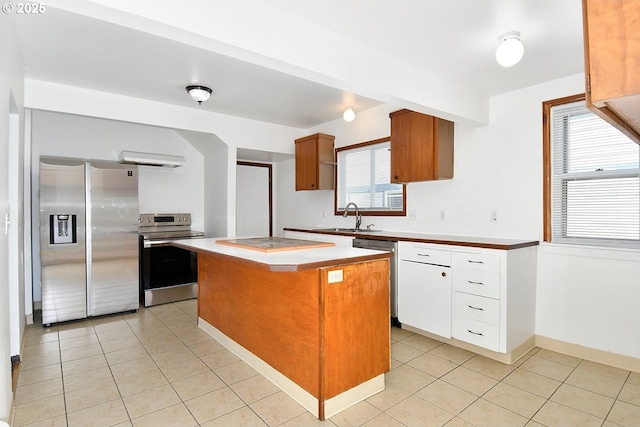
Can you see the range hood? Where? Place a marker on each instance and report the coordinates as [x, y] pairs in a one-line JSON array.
[[151, 159]]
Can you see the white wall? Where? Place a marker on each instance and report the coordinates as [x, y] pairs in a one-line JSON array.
[[159, 189], [217, 136], [589, 297], [487, 176], [216, 170], [11, 104]]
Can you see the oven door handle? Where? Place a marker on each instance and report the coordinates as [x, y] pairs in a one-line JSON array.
[[156, 243]]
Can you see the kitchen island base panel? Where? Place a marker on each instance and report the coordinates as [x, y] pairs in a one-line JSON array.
[[297, 393], [324, 328]]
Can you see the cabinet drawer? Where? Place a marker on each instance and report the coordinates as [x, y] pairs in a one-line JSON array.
[[483, 309], [424, 254], [477, 282], [476, 261], [477, 333]]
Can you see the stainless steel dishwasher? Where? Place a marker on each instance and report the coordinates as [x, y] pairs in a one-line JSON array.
[[390, 246]]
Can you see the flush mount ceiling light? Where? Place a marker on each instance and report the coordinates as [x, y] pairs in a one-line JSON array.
[[510, 49], [199, 93], [349, 114]]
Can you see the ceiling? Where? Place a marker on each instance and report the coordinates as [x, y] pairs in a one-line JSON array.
[[454, 40]]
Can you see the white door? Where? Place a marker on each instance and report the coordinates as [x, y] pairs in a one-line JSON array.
[[424, 297], [14, 231], [253, 199]]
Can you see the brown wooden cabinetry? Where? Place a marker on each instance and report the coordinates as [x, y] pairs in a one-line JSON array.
[[315, 162], [421, 147], [612, 61], [330, 337]]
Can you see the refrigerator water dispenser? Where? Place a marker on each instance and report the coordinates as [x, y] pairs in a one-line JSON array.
[[62, 229]]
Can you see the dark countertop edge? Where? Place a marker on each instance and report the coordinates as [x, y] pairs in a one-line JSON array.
[[290, 268], [476, 242]]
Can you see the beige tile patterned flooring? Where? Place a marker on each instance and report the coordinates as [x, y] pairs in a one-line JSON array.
[[156, 368]]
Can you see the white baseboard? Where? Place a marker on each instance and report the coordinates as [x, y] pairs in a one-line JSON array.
[[628, 363], [307, 400], [600, 356], [507, 358]]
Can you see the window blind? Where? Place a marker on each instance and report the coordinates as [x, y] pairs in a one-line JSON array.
[[595, 180], [364, 174]]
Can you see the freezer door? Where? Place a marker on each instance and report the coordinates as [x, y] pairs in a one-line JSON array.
[[114, 238], [62, 240]]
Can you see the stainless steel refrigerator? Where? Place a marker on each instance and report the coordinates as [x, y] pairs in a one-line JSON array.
[[88, 238]]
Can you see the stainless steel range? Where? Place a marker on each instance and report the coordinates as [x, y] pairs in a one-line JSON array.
[[167, 273]]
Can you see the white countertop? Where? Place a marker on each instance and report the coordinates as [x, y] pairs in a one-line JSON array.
[[290, 260], [473, 241]]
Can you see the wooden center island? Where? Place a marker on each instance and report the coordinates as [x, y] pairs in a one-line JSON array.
[[314, 321]]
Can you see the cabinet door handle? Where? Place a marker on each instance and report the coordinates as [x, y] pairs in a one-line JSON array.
[[475, 262], [475, 283], [475, 333], [475, 308]]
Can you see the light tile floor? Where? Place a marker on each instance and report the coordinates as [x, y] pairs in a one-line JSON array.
[[156, 368]]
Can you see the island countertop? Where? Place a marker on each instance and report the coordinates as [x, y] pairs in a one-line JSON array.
[[313, 321], [283, 261]]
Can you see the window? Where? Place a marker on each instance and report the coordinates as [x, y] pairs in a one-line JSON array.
[[592, 178], [363, 177]]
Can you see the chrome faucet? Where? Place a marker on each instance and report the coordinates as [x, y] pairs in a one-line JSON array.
[[358, 217]]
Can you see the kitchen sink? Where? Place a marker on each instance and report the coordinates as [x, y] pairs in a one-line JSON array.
[[346, 230]]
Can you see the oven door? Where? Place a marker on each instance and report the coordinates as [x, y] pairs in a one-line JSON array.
[[163, 265]]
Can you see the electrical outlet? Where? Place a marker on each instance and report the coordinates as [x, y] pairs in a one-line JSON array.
[[412, 215], [443, 215], [493, 216], [335, 276]]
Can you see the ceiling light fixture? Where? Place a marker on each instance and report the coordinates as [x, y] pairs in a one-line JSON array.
[[199, 93], [510, 49], [349, 114]]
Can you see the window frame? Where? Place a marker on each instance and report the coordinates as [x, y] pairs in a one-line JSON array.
[[548, 183], [367, 212]]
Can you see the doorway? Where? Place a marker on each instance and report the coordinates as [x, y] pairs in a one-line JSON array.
[[254, 199]]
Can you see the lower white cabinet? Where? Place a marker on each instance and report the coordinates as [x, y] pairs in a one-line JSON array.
[[424, 291], [481, 296]]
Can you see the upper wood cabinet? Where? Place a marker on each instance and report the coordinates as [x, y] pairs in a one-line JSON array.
[[421, 147], [612, 62], [315, 162]]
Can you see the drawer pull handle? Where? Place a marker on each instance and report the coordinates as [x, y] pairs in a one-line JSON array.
[[419, 254], [475, 283], [475, 262], [475, 333], [475, 308]]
